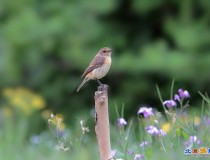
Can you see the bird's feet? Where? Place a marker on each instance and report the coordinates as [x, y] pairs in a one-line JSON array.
[[102, 87], [100, 84]]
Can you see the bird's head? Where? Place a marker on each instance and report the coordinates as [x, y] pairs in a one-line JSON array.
[[105, 51]]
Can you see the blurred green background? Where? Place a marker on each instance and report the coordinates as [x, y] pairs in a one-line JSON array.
[[46, 45]]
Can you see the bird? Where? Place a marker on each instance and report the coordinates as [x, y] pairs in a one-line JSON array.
[[98, 67]]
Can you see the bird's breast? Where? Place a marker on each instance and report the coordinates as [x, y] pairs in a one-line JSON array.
[[108, 61], [100, 72]]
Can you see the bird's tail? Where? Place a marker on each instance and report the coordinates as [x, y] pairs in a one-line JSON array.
[[83, 82]]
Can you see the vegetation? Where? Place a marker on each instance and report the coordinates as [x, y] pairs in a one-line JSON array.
[[45, 47], [143, 137]]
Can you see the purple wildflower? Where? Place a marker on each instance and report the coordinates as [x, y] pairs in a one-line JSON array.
[[183, 93], [144, 143], [145, 111], [152, 130], [162, 132], [114, 153], [191, 141], [138, 157], [198, 142], [121, 122], [176, 97], [169, 103]]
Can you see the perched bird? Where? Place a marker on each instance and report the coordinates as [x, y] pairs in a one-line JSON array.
[[98, 67]]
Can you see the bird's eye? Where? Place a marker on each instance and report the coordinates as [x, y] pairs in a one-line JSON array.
[[104, 51]]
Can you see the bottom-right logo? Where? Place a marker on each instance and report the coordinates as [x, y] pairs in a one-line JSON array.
[[197, 152]]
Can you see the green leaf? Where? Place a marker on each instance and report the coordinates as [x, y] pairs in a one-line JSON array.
[[185, 135], [178, 132]]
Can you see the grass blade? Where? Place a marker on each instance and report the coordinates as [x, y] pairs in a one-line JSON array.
[[172, 88]]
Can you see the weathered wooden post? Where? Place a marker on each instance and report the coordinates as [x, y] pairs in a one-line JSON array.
[[102, 128]]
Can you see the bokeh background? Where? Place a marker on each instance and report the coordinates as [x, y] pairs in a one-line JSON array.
[[46, 45]]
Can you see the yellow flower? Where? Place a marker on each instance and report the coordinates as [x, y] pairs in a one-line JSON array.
[[17, 101], [57, 120], [38, 102], [23, 100], [166, 127], [197, 121]]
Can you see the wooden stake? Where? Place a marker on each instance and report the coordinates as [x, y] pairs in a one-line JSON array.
[[102, 122]]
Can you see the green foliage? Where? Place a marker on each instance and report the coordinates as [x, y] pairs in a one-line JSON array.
[[47, 45]]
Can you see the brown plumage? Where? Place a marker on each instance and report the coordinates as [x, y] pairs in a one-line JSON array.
[[98, 67]]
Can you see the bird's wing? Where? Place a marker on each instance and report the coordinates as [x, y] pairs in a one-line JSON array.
[[98, 61]]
